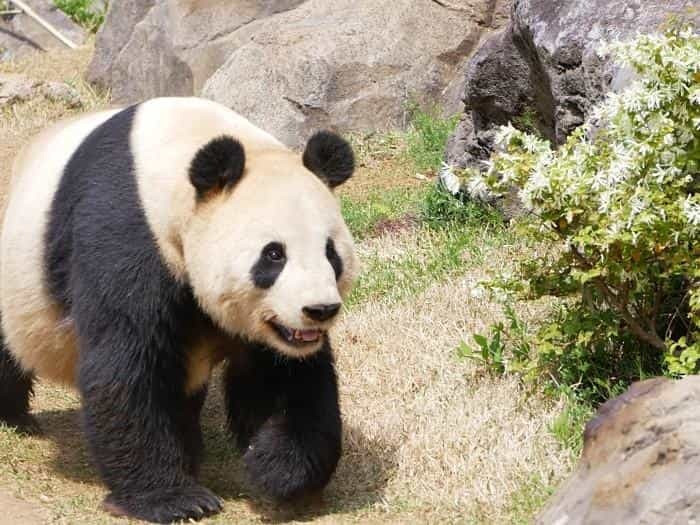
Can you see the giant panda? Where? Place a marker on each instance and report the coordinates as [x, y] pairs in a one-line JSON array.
[[141, 247]]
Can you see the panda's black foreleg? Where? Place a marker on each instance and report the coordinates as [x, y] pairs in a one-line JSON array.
[[289, 416], [140, 425], [194, 443], [16, 389]]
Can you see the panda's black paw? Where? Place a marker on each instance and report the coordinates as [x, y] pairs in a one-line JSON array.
[[165, 505], [23, 424], [286, 464]]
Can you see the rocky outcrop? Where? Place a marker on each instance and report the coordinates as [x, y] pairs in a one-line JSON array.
[[19, 88], [295, 65], [542, 71], [20, 35], [640, 463]]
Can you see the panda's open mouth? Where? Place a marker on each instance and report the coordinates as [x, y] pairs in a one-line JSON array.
[[294, 336]]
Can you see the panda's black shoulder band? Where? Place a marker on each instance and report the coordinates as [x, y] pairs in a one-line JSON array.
[[217, 165]]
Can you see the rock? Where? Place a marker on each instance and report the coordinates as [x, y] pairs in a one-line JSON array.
[[18, 88], [545, 64], [149, 48], [641, 460], [61, 92], [20, 35], [15, 88], [292, 66], [356, 71]]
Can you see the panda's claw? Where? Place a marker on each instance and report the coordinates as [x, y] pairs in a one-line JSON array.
[[165, 505]]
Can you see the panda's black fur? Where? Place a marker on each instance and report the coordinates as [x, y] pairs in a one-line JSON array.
[[133, 319]]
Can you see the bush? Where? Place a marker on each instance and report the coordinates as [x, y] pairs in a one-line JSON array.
[[82, 12], [617, 209]]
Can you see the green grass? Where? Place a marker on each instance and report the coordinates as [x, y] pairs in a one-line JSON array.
[[428, 136], [82, 12], [450, 237], [363, 216], [527, 122], [529, 499], [568, 427]]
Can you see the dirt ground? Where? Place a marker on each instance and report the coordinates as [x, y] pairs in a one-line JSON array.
[[428, 439]]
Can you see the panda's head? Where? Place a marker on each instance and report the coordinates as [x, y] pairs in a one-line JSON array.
[[267, 252]]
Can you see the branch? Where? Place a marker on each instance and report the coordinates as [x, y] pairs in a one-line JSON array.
[[651, 338]]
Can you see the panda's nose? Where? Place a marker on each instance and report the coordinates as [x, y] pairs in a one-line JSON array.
[[321, 312]]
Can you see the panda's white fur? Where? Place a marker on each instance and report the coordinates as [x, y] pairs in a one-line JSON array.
[[212, 245]]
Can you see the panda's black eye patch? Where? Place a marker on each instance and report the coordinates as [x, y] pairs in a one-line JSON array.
[[334, 258], [269, 265]]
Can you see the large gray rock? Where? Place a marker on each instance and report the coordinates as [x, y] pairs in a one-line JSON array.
[[20, 35], [348, 64], [545, 65], [148, 48], [294, 65], [640, 463]]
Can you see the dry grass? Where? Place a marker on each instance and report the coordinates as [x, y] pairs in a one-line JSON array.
[[381, 165], [428, 439], [21, 121]]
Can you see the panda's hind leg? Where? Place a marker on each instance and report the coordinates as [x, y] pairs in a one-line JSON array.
[[16, 389]]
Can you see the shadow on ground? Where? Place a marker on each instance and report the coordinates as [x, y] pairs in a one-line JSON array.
[[363, 472]]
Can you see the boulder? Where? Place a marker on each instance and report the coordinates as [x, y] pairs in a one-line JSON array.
[[20, 34], [293, 65], [640, 462], [545, 66]]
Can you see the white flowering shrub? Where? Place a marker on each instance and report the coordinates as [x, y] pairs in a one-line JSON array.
[[619, 206]]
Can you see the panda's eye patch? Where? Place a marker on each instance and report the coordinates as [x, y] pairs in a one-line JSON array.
[[274, 252], [269, 265], [334, 258]]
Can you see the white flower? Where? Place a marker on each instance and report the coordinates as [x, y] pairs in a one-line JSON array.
[[449, 179], [691, 210]]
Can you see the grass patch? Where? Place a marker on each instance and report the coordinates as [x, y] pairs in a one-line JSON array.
[[363, 216], [428, 136], [451, 237], [83, 12], [529, 499], [567, 428]]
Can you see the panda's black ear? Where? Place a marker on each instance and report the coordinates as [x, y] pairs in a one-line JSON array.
[[217, 165], [330, 157]]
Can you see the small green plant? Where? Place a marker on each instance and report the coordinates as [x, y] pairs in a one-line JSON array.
[[568, 427], [83, 12], [440, 208], [527, 122], [617, 209], [506, 350], [427, 137], [490, 352]]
